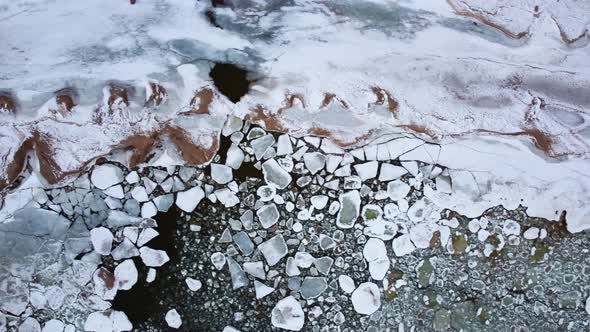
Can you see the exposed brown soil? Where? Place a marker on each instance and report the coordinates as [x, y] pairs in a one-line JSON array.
[[475, 15], [200, 102], [569, 39], [420, 129], [65, 99], [140, 145], [7, 102], [107, 277], [384, 96], [192, 153], [118, 91], [329, 97], [157, 96], [271, 122]]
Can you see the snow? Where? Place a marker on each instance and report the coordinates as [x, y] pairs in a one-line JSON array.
[[106, 175], [221, 174], [287, 314], [366, 299], [189, 199], [102, 240], [152, 257], [173, 319]]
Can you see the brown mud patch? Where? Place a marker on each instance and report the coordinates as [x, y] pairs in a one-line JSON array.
[[384, 96], [8, 102], [200, 102], [329, 98], [157, 96], [119, 92]]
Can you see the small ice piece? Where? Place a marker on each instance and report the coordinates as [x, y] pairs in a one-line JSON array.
[[132, 177], [146, 236], [193, 284], [287, 314], [371, 152], [151, 276], [126, 274], [238, 277], [314, 161], [152, 257], [124, 250], [227, 197], [397, 190], [416, 212], [218, 260], [332, 163], [164, 202], [326, 242], [291, 268], [266, 193], [350, 203], [274, 249], [588, 306], [242, 240], [376, 254], [148, 210], [531, 233], [102, 240], [329, 147], [189, 199], [324, 264], [275, 175], [247, 218], [284, 145], [421, 234], [132, 233], [255, 269], [98, 322], [353, 182], [346, 283], [104, 284], [402, 245], [319, 201], [367, 171], [235, 157], [173, 319], [106, 175], [52, 325], [30, 325], [139, 194], [261, 289], [344, 171], [391, 172], [268, 215], [115, 191], [380, 228], [221, 174], [358, 154], [366, 299], [313, 287], [261, 145], [510, 227], [230, 329], [304, 259], [443, 184]]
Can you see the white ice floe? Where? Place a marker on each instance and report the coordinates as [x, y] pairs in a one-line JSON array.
[[304, 259], [255, 269], [402, 245], [510, 227], [319, 201], [238, 277], [148, 210], [106, 175], [218, 260], [287, 314], [140, 194], [367, 170], [531, 233], [284, 146], [390, 172], [422, 233], [268, 215], [107, 321], [189, 199], [366, 299], [314, 161], [350, 203], [261, 289], [115, 191], [275, 175], [126, 274], [53, 325], [235, 157], [30, 324], [173, 319], [102, 240], [221, 174], [397, 190], [152, 257], [376, 255], [273, 249], [193, 284], [346, 283], [146, 236], [132, 177], [227, 197]]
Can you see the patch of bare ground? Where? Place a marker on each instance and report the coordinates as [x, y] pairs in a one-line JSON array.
[[329, 98], [7, 102], [384, 96], [157, 96], [200, 102]]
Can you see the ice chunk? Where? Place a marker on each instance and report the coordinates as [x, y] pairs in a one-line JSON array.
[[247, 218], [421, 234], [238, 277], [313, 287], [380, 228], [284, 145], [218, 260], [255, 269], [173, 319], [443, 184], [146, 236], [329, 147], [291, 268], [106, 175], [266, 193], [326, 242], [164, 202], [346, 283], [531, 233], [115, 191], [332, 163], [402, 245], [132, 177], [324, 264], [193, 284], [148, 210], [52, 325], [261, 289], [275, 175], [235, 157], [376, 254], [510, 227], [126, 274], [304, 259], [227, 197], [261, 145], [350, 203], [391, 172], [104, 284], [152, 257], [189, 199], [319, 201], [221, 174], [273, 249], [314, 161], [366, 299], [125, 249], [287, 314], [242, 240], [102, 240], [268, 215], [397, 190], [367, 171], [139, 194], [29, 325]]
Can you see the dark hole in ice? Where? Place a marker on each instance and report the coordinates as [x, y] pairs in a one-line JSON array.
[[247, 170], [231, 80], [142, 302]]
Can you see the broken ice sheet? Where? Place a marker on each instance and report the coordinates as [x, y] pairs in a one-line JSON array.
[[287, 314], [274, 249], [350, 203], [268, 215], [238, 277], [275, 175]]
